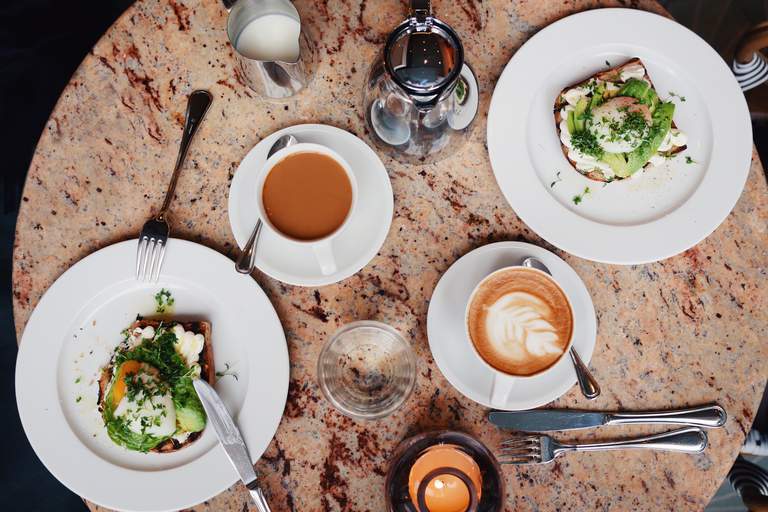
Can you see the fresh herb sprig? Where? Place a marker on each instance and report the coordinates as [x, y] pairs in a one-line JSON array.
[[158, 352], [227, 372], [578, 198], [585, 142], [163, 300], [675, 95]]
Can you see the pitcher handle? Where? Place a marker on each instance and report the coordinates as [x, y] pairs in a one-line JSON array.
[[420, 9]]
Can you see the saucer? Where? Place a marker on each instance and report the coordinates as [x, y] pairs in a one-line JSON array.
[[353, 247], [447, 335]]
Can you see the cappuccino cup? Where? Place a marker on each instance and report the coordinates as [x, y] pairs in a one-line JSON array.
[[519, 323]]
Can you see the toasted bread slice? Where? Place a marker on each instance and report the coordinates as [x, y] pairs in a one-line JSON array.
[[610, 75], [207, 372]]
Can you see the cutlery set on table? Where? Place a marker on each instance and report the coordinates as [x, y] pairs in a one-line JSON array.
[[510, 325], [527, 448]]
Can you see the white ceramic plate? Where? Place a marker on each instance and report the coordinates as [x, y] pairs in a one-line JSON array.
[[354, 246], [72, 334], [451, 348], [656, 213]]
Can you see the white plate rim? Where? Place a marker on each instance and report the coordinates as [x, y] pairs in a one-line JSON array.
[[691, 222], [585, 325], [248, 166], [212, 472]]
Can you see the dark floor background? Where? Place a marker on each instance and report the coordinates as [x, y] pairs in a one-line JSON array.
[[41, 44]]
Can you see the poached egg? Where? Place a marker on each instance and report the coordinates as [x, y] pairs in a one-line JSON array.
[[613, 126], [150, 410]]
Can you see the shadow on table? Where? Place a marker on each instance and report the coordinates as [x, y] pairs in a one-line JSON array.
[[41, 44]]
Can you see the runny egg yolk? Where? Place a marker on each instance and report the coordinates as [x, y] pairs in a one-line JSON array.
[[118, 388]]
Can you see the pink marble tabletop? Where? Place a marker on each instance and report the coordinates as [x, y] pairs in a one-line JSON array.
[[687, 330]]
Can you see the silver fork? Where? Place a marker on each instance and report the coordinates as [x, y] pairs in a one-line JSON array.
[[150, 250], [540, 449]]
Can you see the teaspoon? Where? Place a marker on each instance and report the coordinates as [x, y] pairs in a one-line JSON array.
[[589, 386], [247, 259]]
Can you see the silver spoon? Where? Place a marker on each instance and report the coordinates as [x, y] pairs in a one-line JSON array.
[[589, 386], [247, 259]]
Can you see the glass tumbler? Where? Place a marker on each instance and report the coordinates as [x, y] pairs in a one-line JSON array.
[[366, 370]]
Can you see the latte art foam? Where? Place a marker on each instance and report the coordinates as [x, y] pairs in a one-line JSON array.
[[519, 321], [517, 326]]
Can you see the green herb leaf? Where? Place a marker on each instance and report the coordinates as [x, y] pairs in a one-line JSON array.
[[164, 300], [675, 95], [558, 179], [577, 199], [158, 352], [118, 431], [227, 369], [689, 160], [586, 143]]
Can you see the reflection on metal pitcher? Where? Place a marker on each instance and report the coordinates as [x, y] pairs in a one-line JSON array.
[[276, 57]]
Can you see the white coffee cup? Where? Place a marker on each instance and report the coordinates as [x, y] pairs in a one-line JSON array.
[[504, 382], [321, 247]]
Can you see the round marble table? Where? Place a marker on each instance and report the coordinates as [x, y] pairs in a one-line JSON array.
[[688, 330]]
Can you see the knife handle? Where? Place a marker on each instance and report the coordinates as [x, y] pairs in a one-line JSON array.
[[258, 497], [708, 416]]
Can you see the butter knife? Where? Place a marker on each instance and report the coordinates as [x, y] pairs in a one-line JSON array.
[[708, 416], [231, 440]]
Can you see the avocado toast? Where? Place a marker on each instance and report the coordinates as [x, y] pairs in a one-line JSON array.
[[613, 123], [146, 397]]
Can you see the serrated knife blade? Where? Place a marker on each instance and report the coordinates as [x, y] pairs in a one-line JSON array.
[[231, 440]]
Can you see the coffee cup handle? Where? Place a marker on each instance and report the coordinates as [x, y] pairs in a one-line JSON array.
[[324, 256], [500, 390]]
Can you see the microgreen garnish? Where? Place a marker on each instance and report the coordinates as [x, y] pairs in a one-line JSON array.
[[558, 179], [586, 143], [164, 300], [77, 400], [675, 95], [579, 197], [607, 63], [689, 160], [226, 372], [77, 380]]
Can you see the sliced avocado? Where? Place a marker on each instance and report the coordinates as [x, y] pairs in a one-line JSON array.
[[571, 120], [610, 93], [579, 118], [597, 97], [618, 163], [662, 122], [642, 91], [635, 88], [190, 414], [190, 419]]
